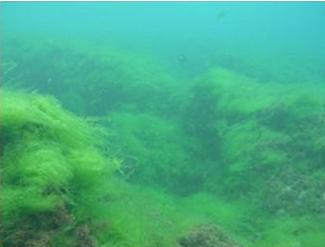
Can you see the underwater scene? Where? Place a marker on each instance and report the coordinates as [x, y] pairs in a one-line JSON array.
[[162, 124]]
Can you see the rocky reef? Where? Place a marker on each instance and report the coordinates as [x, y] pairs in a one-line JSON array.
[[208, 235]]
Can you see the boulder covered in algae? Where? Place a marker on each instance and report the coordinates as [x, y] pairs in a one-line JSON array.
[[206, 236]]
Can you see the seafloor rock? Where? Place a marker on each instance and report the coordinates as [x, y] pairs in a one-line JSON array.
[[206, 236]]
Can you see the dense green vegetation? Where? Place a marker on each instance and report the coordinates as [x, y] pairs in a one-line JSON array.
[[142, 156], [51, 172]]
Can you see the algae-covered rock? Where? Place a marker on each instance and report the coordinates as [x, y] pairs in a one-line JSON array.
[[206, 236], [50, 169], [251, 129], [152, 150], [87, 80], [294, 192]]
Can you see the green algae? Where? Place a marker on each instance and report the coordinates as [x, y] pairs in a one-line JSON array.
[[50, 168], [153, 150], [224, 149], [108, 77]]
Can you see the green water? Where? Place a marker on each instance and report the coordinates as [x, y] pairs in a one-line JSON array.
[[167, 124]]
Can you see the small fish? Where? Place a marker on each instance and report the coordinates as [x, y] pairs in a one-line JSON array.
[[7, 67], [49, 81], [220, 15], [182, 59]]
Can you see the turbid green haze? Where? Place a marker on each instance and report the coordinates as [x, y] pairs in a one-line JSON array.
[[132, 124]]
